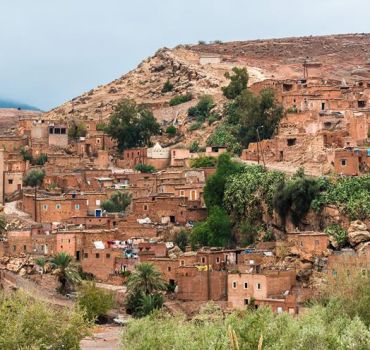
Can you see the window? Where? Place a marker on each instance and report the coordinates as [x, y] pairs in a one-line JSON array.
[[77, 206], [87, 202], [107, 256], [24, 248], [182, 193], [203, 260], [97, 202], [97, 140], [217, 260], [361, 104], [145, 207], [245, 285], [246, 301], [279, 309], [169, 268], [58, 206], [14, 248], [63, 131], [182, 262], [334, 273], [235, 284], [86, 255], [97, 255], [45, 207], [291, 142], [322, 106], [10, 181], [259, 287], [343, 162]]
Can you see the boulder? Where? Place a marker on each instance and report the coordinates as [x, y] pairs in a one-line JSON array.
[[358, 233]]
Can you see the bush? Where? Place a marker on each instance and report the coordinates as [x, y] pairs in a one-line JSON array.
[[118, 202], [238, 83], [171, 130], [177, 100], [96, 302], [195, 126], [76, 130], [27, 155], [338, 233], [101, 127], [203, 162], [42, 159], [145, 168], [194, 147], [202, 109], [167, 87], [225, 135], [181, 240], [30, 324]]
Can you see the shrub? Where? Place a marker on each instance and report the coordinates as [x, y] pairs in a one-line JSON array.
[[238, 83], [171, 130], [167, 87], [101, 127], [201, 42], [195, 126], [145, 168], [202, 109], [27, 155], [194, 147], [96, 302], [42, 159], [338, 233], [177, 100], [203, 162], [118, 202], [181, 240], [76, 130], [225, 135]]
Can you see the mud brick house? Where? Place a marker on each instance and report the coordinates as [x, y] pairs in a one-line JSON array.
[[54, 209], [315, 243], [181, 157], [168, 209], [262, 288], [13, 143], [58, 135], [352, 161], [348, 262], [193, 284]]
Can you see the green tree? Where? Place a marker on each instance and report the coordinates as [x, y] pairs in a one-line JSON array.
[[227, 136], [26, 154], [66, 271], [238, 83], [145, 168], [118, 202], [42, 263], [34, 178], [96, 302], [132, 125], [41, 159], [76, 130], [181, 240], [145, 281], [149, 303], [171, 130]]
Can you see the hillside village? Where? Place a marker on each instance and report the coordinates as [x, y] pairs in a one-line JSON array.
[[112, 207]]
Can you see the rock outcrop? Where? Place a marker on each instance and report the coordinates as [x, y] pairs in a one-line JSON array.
[[358, 233]]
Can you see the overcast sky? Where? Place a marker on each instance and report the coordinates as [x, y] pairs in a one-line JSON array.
[[54, 50]]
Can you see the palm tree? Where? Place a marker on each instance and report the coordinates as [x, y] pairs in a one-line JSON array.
[[145, 280], [41, 262], [66, 271]]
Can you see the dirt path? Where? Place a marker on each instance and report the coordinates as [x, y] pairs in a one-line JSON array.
[[104, 338]]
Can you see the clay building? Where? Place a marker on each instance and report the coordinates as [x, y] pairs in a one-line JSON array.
[[315, 243]]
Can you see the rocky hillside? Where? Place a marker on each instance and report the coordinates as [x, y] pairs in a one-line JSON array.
[[341, 56]]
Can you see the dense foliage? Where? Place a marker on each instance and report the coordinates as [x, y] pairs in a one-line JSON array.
[[132, 125], [339, 234], [167, 87], [203, 162], [320, 328], [117, 203], [29, 324], [94, 301], [67, 272], [34, 178], [144, 288], [145, 168], [177, 100], [238, 83], [181, 240], [27, 155], [227, 136], [171, 130]]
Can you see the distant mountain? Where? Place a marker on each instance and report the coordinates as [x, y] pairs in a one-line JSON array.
[[4, 103]]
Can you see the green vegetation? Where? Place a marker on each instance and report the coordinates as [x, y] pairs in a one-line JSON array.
[[181, 240], [26, 323], [171, 130], [202, 110], [145, 168], [41, 262], [143, 290], [41, 159], [295, 196], [167, 87], [238, 83], [194, 147], [117, 203], [34, 178], [94, 301], [215, 231], [195, 126], [225, 135], [66, 271], [101, 127], [76, 130], [203, 162], [338, 233], [132, 125], [177, 100], [27, 155], [320, 328]]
